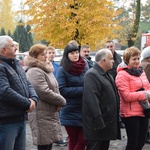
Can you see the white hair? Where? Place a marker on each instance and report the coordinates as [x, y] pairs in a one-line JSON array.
[[4, 41], [145, 52]]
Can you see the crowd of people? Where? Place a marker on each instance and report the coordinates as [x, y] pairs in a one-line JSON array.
[[91, 100]]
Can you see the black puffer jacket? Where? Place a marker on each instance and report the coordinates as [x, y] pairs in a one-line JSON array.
[[15, 91]]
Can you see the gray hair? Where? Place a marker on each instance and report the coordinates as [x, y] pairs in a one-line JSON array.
[[4, 41], [101, 54], [145, 52]]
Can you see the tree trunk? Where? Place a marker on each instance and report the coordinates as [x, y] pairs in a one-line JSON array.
[[132, 36]]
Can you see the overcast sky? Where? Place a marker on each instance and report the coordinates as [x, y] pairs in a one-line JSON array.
[[16, 4]]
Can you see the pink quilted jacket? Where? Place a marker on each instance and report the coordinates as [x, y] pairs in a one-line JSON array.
[[129, 96]]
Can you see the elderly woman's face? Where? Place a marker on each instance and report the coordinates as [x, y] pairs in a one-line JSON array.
[[42, 57], [134, 61]]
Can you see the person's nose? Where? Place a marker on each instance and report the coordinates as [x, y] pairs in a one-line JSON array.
[[16, 48]]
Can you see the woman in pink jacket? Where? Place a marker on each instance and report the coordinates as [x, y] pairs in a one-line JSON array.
[[133, 87]]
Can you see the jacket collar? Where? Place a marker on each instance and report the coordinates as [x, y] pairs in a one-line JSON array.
[[7, 60], [99, 69]]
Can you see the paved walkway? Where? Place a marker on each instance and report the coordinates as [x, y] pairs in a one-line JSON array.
[[114, 145]]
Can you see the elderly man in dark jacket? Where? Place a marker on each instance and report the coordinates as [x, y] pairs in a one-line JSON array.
[[100, 104], [16, 98]]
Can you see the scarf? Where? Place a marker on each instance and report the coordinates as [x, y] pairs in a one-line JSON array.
[[77, 67], [134, 71]]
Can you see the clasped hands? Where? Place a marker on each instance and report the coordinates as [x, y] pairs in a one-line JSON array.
[[32, 105]]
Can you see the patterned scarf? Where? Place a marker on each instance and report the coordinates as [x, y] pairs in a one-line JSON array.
[[134, 71]]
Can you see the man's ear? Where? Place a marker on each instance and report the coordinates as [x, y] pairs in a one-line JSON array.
[[4, 50], [104, 59]]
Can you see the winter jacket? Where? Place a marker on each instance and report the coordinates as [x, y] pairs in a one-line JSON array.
[[71, 87], [100, 106], [88, 61], [130, 95], [117, 61], [44, 121], [15, 91]]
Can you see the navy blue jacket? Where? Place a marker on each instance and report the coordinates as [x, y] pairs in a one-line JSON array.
[[71, 88], [15, 91]]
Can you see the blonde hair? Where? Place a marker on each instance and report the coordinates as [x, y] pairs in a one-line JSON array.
[[50, 48]]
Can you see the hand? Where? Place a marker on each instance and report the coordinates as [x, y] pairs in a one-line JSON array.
[[32, 105]]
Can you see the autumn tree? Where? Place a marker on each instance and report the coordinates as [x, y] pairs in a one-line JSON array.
[[130, 21], [144, 22], [145, 17], [86, 21], [6, 15], [133, 34]]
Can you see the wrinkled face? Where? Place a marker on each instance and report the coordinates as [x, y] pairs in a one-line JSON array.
[[111, 46], [42, 56], [10, 50], [109, 61], [51, 55], [85, 52], [134, 61], [74, 56]]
